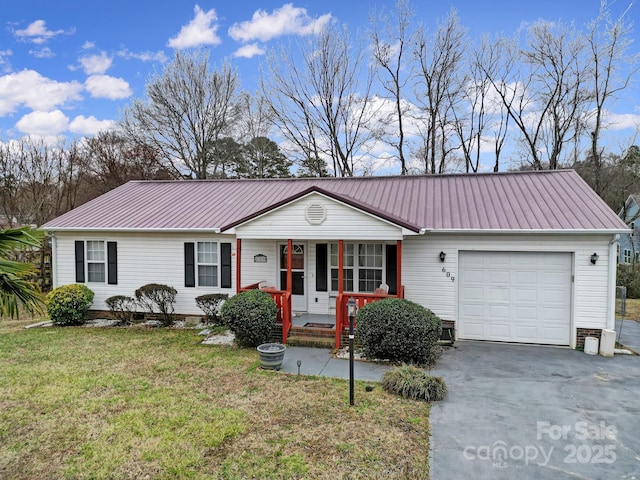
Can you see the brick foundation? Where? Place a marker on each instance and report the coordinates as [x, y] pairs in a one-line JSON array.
[[140, 316], [583, 333]]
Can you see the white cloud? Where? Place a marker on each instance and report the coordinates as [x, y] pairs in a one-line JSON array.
[[88, 45], [146, 56], [199, 31], [248, 51], [38, 33], [105, 86], [96, 64], [30, 89], [43, 123], [89, 125], [622, 121], [44, 52], [5, 65], [286, 20]]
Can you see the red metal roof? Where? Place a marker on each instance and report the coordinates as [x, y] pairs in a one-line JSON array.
[[550, 200]]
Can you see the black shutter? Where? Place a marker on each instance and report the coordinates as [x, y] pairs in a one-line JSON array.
[[225, 263], [189, 265], [112, 263], [79, 261], [321, 267], [391, 273]]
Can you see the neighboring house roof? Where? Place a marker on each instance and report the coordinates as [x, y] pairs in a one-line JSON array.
[[522, 201]]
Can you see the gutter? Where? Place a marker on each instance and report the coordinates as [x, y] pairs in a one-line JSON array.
[[132, 230]]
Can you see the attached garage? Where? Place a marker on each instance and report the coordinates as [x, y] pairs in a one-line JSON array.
[[520, 297]]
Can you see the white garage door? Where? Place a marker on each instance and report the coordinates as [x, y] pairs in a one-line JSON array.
[[515, 297]]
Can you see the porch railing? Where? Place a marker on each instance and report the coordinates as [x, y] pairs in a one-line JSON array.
[[342, 318], [283, 302]]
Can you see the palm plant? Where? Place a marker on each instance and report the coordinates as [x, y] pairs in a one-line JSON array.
[[16, 289]]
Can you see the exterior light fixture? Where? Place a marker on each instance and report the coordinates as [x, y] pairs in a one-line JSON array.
[[594, 258], [442, 256], [352, 308]]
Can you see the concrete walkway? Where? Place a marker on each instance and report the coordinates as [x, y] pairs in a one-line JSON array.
[[318, 361], [531, 412]]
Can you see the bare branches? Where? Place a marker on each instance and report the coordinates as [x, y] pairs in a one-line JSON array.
[[187, 109], [320, 100]]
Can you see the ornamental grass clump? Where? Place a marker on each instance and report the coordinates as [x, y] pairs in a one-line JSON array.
[[68, 305], [411, 382], [398, 330], [251, 316]]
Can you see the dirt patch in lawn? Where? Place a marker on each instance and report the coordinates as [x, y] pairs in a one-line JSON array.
[[124, 403]]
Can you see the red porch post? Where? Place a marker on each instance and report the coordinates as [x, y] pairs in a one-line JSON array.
[[340, 267], [399, 267], [238, 264], [289, 262]]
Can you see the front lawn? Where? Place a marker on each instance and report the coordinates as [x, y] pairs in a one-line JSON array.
[[95, 403]]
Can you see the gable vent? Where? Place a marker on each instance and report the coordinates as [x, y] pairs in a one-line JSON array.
[[316, 214]]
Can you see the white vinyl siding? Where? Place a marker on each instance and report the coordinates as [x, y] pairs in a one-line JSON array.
[[142, 258], [434, 284], [341, 222]]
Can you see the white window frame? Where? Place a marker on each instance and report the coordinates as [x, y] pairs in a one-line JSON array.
[[352, 264], [102, 262], [626, 255], [215, 263]]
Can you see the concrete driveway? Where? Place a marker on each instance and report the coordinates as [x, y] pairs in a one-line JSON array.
[[628, 334], [516, 411]]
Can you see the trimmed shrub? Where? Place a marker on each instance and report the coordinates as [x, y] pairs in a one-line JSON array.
[[411, 382], [251, 316], [122, 308], [158, 298], [210, 304], [68, 304], [399, 330]]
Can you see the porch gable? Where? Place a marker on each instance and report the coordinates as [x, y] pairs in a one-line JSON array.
[[317, 216]]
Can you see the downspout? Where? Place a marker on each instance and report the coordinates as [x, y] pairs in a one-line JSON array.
[[611, 310], [54, 261]]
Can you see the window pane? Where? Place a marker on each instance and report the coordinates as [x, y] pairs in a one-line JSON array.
[[208, 252], [95, 251], [207, 276], [95, 272], [347, 281], [369, 279]]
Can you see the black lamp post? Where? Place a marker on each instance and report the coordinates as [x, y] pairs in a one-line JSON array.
[[351, 311]]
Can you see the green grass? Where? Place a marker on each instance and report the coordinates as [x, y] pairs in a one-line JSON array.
[[154, 403]]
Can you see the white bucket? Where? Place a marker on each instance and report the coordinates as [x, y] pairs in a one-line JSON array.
[[591, 345]]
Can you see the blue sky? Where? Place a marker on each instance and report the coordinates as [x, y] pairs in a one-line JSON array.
[[67, 67]]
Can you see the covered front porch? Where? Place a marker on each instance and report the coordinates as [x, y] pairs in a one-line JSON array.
[[311, 293]]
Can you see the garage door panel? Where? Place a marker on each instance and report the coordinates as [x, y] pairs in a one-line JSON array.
[[497, 294], [515, 296], [498, 277], [526, 295]]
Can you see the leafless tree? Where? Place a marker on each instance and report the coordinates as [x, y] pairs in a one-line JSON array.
[[543, 88], [37, 180], [480, 117], [612, 69], [390, 43], [319, 97], [187, 108], [439, 84]]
